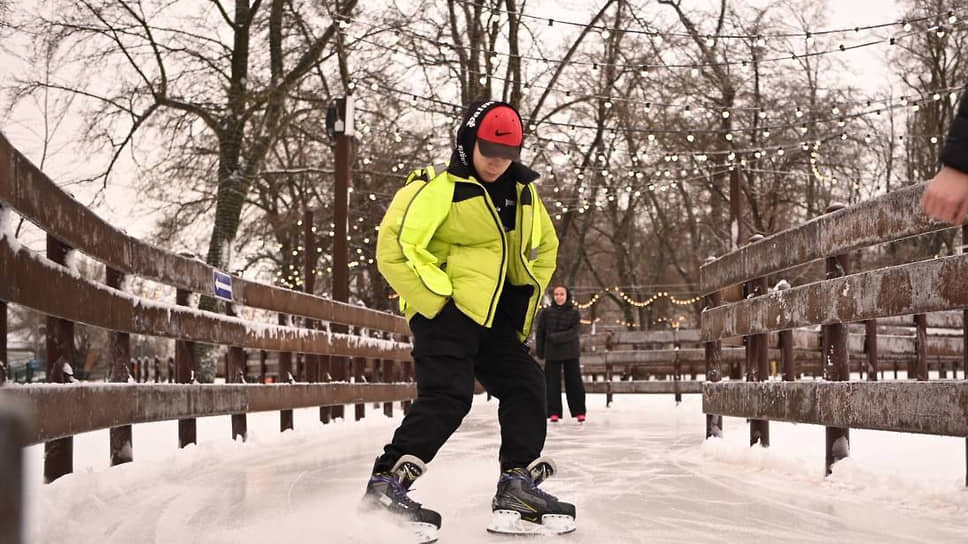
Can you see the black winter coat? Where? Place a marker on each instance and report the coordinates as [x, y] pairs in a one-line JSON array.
[[955, 153], [556, 336]]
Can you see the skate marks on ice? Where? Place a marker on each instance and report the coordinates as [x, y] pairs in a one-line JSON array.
[[294, 487], [644, 468], [637, 472]]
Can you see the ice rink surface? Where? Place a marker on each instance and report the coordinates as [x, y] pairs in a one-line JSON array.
[[638, 471]]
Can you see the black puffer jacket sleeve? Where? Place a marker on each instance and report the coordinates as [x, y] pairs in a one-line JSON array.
[[955, 153]]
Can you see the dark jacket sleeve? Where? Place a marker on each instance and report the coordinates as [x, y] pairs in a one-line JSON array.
[[539, 334], [955, 153], [570, 332]]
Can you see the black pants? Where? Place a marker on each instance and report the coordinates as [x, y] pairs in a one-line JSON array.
[[450, 351], [574, 389]]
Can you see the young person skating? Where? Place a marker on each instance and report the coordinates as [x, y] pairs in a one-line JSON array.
[[470, 248]]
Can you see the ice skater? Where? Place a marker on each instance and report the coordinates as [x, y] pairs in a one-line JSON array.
[[470, 248], [557, 342]]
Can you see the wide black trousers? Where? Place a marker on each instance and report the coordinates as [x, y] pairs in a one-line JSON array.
[[450, 351], [574, 388]]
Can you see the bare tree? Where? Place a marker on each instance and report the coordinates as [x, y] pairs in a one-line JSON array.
[[183, 77]]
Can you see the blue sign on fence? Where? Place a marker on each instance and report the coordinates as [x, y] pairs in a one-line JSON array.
[[223, 285]]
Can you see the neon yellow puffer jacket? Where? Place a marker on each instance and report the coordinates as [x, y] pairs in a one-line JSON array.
[[442, 238]]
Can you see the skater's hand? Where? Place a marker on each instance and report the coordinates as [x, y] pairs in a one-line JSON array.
[[946, 197]]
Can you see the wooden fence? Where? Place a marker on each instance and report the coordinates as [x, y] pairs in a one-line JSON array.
[[867, 299], [376, 344]]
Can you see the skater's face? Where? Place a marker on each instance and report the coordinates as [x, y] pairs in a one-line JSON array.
[[489, 168], [561, 295]]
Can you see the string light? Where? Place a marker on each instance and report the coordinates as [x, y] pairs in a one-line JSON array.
[[602, 29], [639, 303], [839, 118], [646, 67]]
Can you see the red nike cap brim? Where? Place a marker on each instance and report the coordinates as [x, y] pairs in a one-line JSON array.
[[491, 149]]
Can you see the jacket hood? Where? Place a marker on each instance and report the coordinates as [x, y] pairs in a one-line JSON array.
[[461, 158], [569, 303]]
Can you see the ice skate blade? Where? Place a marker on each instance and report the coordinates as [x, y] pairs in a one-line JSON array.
[[509, 522], [425, 532]]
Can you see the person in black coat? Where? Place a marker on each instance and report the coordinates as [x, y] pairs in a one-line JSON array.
[[557, 342], [946, 197]]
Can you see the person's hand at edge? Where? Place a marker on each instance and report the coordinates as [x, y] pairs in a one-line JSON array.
[[946, 198]]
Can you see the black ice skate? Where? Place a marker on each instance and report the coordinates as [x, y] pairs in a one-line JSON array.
[[520, 508], [387, 492]]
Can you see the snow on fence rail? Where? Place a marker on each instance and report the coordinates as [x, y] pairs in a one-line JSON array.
[[365, 338], [936, 407]]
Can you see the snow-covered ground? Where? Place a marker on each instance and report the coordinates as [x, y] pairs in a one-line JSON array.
[[639, 471]]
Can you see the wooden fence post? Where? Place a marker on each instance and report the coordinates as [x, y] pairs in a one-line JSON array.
[[185, 366], [235, 363], [4, 364], [359, 367], [325, 372], [788, 361], [921, 346], [263, 370], [119, 353], [835, 360], [59, 454], [757, 359], [870, 346], [285, 377], [714, 361], [387, 375], [408, 376], [676, 365]]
